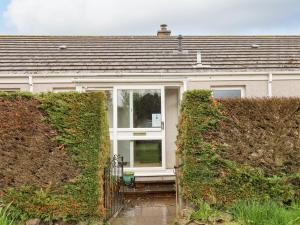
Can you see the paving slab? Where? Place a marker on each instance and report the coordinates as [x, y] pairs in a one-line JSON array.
[[148, 210]]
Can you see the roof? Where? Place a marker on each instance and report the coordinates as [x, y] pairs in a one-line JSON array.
[[34, 54]]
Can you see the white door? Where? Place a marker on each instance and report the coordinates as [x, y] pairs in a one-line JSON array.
[[138, 126]]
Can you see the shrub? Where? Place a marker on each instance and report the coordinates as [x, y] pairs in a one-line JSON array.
[[211, 168], [261, 133], [81, 131]]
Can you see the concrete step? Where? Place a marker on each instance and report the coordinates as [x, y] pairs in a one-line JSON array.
[[150, 188], [155, 179]]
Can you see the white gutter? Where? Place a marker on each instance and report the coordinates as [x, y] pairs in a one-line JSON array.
[[187, 74], [270, 79], [30, 82]]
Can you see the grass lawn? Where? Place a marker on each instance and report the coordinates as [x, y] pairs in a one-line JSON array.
[[5, 216], [249, 213], [267, 213]]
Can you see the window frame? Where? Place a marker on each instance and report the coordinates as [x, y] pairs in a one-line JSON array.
[[221, 88]]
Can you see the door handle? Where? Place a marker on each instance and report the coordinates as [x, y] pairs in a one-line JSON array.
[[162, 125]]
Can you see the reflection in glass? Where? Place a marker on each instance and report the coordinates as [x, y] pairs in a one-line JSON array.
[[124, 150], [109, 105], [147, 153], [123, 108], [111, 148], [139, 108], [227, 93], [146, 108]]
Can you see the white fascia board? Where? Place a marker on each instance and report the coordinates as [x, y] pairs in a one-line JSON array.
[[228, 77], [157, 74], [231, 77], [47, 80], [148, 77], [126, 80], [285, 77]]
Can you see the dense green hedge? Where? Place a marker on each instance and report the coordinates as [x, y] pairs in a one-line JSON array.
[[207, 173], [82, 132]]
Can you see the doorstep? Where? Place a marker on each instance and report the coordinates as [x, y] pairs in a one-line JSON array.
[[152, 182], [155, 179], [155, 176], [153, 173]]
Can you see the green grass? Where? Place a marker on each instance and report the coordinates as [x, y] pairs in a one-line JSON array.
[[262, 213], [203, 213], [5, 217]]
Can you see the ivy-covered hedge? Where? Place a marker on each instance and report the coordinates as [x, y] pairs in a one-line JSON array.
[[224, 149], [75, 127]]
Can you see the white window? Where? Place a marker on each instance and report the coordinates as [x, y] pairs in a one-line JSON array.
[[228, 92]]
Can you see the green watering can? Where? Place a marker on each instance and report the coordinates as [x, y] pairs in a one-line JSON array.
[[128, 178]]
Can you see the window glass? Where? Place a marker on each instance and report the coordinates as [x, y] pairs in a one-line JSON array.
[[146, 108], [109, 105], [124, 150], [147, 153], [227, 93], [111, 148], [123, 108], [139, 108]]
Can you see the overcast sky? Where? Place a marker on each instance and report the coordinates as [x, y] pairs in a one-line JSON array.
[[126, 17]]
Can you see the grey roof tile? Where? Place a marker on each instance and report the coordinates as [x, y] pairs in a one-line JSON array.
[[147, 53]]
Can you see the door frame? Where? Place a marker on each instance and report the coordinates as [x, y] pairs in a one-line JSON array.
[[161, 130]]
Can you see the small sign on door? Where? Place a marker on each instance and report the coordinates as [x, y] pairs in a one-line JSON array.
[[156, 120]]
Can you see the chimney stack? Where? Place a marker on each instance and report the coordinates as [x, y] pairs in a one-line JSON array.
[[163, 32]]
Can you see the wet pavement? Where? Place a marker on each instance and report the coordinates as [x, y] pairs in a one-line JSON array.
[[147, 210]]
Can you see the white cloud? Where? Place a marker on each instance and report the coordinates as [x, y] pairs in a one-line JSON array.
[[144, 16]]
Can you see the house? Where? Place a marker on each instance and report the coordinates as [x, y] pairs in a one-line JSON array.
[[145, 76]]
